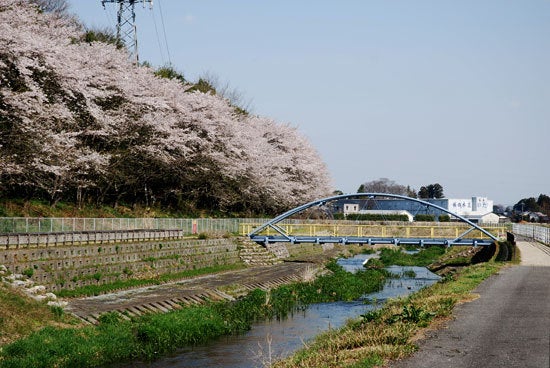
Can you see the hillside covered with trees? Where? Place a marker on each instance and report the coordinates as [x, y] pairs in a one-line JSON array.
[[80, 123]]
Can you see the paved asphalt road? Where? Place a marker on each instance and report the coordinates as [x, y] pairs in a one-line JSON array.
[[507, 326]]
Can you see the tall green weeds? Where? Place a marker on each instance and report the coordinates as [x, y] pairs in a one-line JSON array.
[[422, 258]]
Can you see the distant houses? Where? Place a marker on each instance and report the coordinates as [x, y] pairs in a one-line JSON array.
[[535, 217]]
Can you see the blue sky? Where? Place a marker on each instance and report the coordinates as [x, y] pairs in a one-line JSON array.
[[454, 92]]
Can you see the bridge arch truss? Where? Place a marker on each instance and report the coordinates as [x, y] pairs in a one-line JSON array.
[[281, 235]]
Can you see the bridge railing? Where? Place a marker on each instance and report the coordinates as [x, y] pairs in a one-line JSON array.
[[536, 232], [393, 229]]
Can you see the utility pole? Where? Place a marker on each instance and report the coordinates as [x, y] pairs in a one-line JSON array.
[[126, 30]]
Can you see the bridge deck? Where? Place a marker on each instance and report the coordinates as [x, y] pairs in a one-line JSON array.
[[261, 239]]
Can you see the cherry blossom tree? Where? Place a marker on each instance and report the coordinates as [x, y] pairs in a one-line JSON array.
[[79, 122]]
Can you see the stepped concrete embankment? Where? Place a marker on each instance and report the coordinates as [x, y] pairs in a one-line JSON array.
[[77, 260], [174, 295], [71, 266]]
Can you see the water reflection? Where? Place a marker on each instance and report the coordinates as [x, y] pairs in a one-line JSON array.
[[356, 262]]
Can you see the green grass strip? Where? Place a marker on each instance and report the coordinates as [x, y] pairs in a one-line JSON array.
[[93, 290]]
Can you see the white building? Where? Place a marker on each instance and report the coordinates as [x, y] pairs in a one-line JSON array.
[[475, 208]]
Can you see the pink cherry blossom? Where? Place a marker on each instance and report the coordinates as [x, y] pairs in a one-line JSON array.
[[79, 121]]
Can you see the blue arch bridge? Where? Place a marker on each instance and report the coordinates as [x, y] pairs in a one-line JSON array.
[[459, 232]]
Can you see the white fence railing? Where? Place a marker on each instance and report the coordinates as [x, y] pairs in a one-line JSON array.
[[535, 232], [187, 225]]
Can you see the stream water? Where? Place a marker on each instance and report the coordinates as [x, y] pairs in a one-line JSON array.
[[271, 340]]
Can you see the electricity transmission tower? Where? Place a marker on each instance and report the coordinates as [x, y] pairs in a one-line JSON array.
[[126, 30]]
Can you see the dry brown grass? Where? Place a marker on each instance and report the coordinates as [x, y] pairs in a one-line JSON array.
[[20, 315]]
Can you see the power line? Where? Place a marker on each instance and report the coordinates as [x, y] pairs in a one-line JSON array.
[[164, 30], [158, 38], [109, 15]]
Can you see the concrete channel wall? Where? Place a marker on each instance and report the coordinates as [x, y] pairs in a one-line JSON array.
[[70, 266]]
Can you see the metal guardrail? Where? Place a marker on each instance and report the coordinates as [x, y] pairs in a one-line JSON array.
[[536, 232], [403, 233], [397, 229]]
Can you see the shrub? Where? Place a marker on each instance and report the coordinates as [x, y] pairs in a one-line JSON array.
[[444, 218], [28, 272], [374, 263], [424, 217], [102, 35], [376, 217], [57, 311], [169, 72], [202, 86], [410, 274], [412, 313], [109, 318]]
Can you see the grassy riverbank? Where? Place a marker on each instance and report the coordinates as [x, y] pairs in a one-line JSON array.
[[391, 332], [117, 340]]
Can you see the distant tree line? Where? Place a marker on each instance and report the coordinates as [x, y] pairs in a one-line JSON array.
[[385, 185], [431, 191], [530, 204], [541, 204]]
